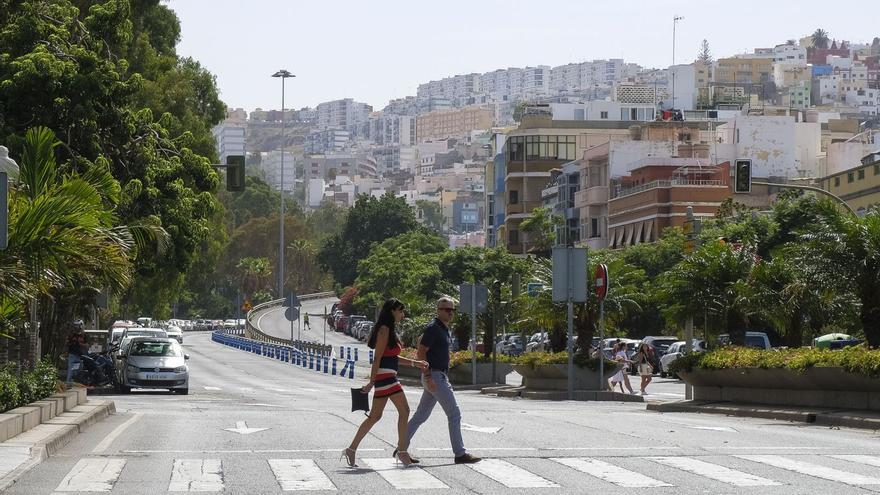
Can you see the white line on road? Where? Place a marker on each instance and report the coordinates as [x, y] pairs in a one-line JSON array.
[[413, 478], [105, 443], [810, 469], [92, 475], [714, 471], [510, 475], [213, 388], [196, 475], [870, 460], [609, 472], [248, 451], [300, 474]]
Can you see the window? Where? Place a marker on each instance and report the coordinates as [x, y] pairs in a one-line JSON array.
[[850, 177], [603, 115], [513, 237], [861, 173], [837, 182], [594, 227], [877, 169], [579, 114], [513, 197]]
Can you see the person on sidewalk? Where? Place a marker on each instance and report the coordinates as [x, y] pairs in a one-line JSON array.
[[76, 347], [642, 359], [306, 321], [434, 348], [621, 377], [383, 376]]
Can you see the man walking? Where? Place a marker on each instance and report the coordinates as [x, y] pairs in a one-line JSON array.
[[306, 321], [434, 348]]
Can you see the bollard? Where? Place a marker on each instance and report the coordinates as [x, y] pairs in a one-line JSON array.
[[371, 356], [333, 372], [326, 362], [311, 361], [342, 371], [355, 354], [351, 371], [341, 352], [296, 358], [348, 354]]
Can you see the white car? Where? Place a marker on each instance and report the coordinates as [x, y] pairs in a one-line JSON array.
[[676, 351], [175, 333], [152, 362]]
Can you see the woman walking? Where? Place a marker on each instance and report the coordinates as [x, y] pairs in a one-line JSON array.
[[642, 359], [621, 378], [383, 378]]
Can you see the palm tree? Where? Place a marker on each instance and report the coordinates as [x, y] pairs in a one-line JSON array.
[[849, 254], [255, 274], [820, 38], [541, 227]]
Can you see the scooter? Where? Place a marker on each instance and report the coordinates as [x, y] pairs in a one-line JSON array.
[[97, 369]]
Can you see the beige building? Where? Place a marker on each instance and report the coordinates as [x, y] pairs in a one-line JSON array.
[[736, 70], [858, 186], [453, 123]]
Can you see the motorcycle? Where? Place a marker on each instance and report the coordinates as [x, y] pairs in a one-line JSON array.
[[98, 369]]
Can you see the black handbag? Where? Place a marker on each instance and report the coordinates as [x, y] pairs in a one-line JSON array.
[[360, 400]]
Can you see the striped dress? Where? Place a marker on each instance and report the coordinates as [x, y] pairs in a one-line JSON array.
[[386, 378]]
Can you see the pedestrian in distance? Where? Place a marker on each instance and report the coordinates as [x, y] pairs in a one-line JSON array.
[[306, 321], [434, 348], [76, 347], [642, 360], [383, 379], [621, 377]]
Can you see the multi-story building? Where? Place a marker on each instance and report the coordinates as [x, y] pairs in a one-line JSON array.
[[645, 94], [744, 70], [858, 186], [797, 96], [558, 196], [330, 165], [453, 123], [787, 74], [794, 54], [603, 110], [345, 114], [391, 129], [231, 139], [271, 166]]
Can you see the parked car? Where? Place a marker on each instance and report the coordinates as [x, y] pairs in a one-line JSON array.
[[676, 351], [758, 340], [362, 329], [341, 323], [538, 342], [351, 322], [151, 362]]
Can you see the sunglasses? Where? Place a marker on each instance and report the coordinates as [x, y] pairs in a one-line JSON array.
[[446, 309]]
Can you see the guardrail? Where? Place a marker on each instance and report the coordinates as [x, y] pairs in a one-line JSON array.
[[306, 357], [254, 333]]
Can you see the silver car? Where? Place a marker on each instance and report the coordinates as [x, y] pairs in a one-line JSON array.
[[151, 362]]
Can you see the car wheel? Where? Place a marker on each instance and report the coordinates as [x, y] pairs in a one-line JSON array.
[[662, 374], [182, 391], [124, 390]]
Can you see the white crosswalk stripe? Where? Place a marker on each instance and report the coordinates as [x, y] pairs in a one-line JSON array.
[[870, 460], [300, 474], [714, 471], [411, 478], [609, 472], [196, 475], [810, 469], [92, 475], [510, 475]]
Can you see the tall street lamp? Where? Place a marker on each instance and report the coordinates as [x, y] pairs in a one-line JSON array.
[[675, 20], [283, 74]]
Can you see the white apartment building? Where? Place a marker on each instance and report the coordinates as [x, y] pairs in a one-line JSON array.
[[230, 138], [344, 114], [794, 54], [271, 165], [603, 110]]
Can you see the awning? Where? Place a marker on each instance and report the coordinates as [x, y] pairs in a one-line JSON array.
[[629, 235], [649, 230]]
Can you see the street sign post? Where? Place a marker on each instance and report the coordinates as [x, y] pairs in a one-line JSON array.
[[601, 283], [570, 286], [473, 299], [291, 302], [692, 228]]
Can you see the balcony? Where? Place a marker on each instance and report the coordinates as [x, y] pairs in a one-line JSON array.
[[522, 208], [667, 184], [597, 195]]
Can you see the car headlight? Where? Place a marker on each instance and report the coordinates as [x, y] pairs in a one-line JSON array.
[[180, 369]]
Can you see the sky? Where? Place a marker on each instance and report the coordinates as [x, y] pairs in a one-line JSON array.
[[374, 51]]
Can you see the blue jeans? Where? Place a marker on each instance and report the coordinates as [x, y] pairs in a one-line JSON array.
[[71, 360], [442, 394]]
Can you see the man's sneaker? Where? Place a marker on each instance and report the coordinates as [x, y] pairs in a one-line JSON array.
[[466, 459]]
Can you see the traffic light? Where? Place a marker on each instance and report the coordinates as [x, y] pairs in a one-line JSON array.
[[743, 177], [235, 173]]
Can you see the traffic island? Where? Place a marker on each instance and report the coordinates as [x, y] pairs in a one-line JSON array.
[[828, 417]]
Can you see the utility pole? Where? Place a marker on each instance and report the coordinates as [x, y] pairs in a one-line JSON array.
[[283, 74], [675, 20]]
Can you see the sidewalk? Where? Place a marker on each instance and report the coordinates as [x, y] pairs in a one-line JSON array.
[[31, 433], [863, 419]]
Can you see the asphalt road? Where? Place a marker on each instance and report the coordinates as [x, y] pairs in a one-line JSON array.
[[252, 425]]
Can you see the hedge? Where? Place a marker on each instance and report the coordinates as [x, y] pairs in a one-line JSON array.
[[858, 360], [21, 388]]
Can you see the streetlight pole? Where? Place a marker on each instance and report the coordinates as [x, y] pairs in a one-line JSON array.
[[283, 74], [675, 20]]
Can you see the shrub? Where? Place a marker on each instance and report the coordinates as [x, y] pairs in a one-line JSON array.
[[533, 359], [20, 388], [857, 359]]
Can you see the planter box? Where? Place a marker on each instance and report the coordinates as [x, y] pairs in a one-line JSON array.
[[815, 387], [463, 374], [555, 377]]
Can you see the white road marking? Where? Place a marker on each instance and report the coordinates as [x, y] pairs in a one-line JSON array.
[[609, 472], [481, 429], [213, 388], [92, 475], [258, 404], [510, 475], [300, 474], [714, 471], [412, 478], [105, 443], [810, 469], [196, 475], [241, 428], [870, 460]]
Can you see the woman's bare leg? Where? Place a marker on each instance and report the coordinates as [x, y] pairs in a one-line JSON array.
[[369, 421]]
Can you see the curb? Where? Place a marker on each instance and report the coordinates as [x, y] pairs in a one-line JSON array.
[[818, 416], [56, 428]]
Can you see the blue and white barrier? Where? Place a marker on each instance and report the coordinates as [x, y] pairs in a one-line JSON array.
[[371, 356], [308, 357]]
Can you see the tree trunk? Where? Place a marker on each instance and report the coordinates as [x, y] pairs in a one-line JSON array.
[[870, 318], [795, 335], [736, 327]]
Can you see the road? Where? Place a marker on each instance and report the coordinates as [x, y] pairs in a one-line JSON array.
[[252, 425]]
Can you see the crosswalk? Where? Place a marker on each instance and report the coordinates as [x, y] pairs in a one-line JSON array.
[[101, 474]]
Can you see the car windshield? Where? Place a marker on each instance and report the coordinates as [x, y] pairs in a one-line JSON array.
[[158, 349], [754, 341]]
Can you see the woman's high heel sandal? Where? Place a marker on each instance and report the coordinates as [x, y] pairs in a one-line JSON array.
[[411, 458], [348, 454], [403, 457]]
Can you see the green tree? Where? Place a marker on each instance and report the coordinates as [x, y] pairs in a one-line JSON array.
[[820, 38], [370, 220], [541, 228], [432, 214], [705, 54]]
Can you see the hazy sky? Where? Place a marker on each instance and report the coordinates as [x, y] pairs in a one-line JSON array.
[[376, 50]]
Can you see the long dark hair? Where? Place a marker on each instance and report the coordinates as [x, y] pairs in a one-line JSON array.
[[386, 318]]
